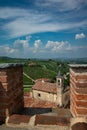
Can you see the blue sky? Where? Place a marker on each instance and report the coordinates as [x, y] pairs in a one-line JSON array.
[[43, 28]]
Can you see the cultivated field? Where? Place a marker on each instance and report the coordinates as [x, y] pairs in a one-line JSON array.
[[36, 69]]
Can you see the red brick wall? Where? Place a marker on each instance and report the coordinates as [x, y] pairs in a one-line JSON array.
[[78, 91], [11, 91]]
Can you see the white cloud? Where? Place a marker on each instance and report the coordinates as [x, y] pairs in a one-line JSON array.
[[37, 45], [21, 44], [80, 36], [20, 48], [38, 49], [21, 27], [12, 12], [61, 5], [23, 22], [6, 50], [56, 46]]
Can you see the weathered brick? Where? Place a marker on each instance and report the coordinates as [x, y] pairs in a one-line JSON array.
[[78, 89], [81, 104], [81, 96], [4, 87], [11, 90], [73, 112], [81, 85], [81, 111], [78, 96], [77, 105], [3, 94], [3, 106], [4, 100], [3, 79], [78, 84], [81, 77]]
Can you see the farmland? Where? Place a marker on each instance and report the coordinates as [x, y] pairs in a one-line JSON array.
[[38, 69]]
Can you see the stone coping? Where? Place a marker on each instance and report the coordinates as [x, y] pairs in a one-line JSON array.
[[78, 65], [20, 120], [7, 65]]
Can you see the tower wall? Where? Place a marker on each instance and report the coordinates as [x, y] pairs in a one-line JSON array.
[[11, 89], [78, 89], [59, 91]]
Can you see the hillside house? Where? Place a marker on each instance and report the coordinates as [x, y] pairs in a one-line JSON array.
[[53, 92], [43, 90]]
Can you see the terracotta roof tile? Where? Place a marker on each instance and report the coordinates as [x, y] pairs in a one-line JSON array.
[[43, 79], [45, 86]]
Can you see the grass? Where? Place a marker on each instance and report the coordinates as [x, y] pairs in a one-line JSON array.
[[27, 81], [43, 69], [39, 72], [26, 89]]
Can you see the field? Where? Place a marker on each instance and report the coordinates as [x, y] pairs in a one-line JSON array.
[[36, 69]]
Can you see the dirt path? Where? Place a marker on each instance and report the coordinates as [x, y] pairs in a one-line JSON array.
[[28, 77]]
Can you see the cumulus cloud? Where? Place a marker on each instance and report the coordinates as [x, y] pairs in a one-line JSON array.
[[19, 48], [37, 45], [22, 48], [58, 46], [21, 44], [80, 36], [6, 50]]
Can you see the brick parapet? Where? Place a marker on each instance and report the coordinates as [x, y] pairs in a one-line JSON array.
[[11, 89], [78, 89]]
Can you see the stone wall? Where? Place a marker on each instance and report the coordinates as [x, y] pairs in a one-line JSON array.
[[11, 89], [46, 96], [78, 89]]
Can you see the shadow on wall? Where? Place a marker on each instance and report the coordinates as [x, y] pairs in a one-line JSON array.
[[35, 111], [2, 102], [66, 99]]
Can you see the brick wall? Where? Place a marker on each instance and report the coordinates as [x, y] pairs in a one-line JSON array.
[[11, 89], [78, 89]]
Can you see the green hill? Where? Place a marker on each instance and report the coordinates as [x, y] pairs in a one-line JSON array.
[[38, 69]]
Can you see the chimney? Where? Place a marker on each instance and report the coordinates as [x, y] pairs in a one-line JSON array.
[[43, 81]]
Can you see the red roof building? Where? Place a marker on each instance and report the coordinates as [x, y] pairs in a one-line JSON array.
[[45, 87], [44, 90]]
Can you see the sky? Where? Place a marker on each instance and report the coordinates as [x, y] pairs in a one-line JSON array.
[[43, 28]]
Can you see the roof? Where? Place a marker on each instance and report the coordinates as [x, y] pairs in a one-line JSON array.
[[43, 79], [7, 65], [45, 86], [78, 65]]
